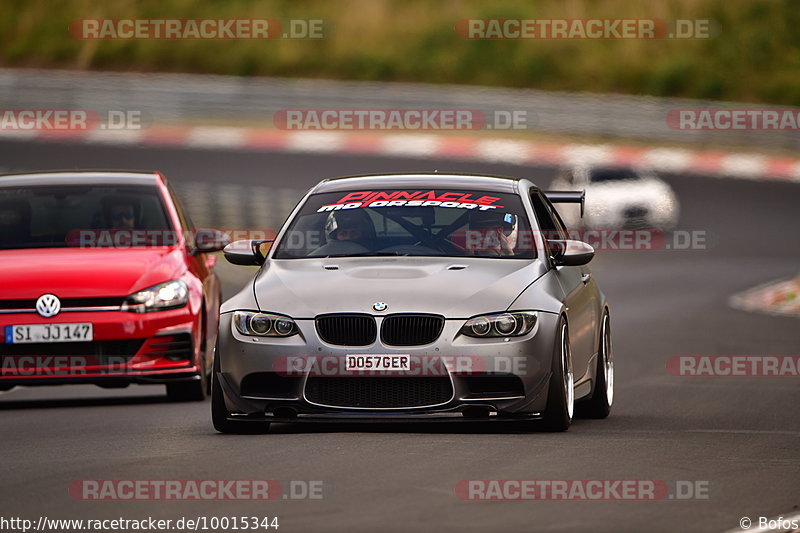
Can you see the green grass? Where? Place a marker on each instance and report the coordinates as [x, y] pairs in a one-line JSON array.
[[755, 57]]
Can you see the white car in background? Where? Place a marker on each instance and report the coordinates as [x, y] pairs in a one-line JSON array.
[[618, 197]]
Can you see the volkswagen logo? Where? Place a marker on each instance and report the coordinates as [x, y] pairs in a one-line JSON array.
[[379, 306], [48, 305]]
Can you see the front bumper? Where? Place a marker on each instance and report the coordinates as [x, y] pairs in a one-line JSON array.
[[158, 347], [499, 378]]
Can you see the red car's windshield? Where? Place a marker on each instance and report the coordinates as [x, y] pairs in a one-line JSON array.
[[82, 215]]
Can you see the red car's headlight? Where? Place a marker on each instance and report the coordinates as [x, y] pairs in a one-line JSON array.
[[169, 295]]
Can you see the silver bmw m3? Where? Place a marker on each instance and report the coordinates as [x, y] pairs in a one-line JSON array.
[[416, 297]]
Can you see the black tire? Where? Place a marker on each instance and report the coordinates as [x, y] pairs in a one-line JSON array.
[[196, 390], [599, 405], [188, 391], [561, 393], [219, 412], [213, 355]]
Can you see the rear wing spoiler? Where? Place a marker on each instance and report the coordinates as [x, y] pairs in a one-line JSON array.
[[567, 197]]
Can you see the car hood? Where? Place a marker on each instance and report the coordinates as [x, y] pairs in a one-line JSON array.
[[452, 287], [85, 272]]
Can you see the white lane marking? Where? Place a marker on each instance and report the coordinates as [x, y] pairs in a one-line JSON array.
[[19, 134], [115, 136], [667, 159], [315, 141], [213, 137], [410, 144], [745, 166], [796, 172], [747, 432], [588, 154], [501, 150]]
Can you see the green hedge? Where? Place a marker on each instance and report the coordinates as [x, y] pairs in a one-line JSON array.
[[755, 57]]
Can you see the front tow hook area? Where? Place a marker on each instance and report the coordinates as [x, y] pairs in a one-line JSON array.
[[285, 413], [478, 412]]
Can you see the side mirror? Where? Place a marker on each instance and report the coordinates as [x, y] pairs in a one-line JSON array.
[[247, 252], [570, 253], [210, 240]]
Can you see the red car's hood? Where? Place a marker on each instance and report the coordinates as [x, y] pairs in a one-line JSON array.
[[85, 272]]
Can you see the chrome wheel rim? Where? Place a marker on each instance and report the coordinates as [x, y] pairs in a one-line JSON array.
[[608, 362], [566, 365]]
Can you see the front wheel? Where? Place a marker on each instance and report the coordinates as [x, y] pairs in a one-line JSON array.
[[561, 391], [599, 405], [195, 390]]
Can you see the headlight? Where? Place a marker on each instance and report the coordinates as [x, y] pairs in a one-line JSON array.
[[512, 324], [159, 297], [264, 324]]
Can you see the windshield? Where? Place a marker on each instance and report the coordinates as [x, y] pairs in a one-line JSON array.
[[430, 222], [78, 215], [597, 175]]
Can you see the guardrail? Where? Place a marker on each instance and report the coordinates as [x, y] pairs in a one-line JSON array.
[[164, 98]]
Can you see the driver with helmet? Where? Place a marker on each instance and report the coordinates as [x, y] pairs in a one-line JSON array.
[[348, 232], [493, 231]]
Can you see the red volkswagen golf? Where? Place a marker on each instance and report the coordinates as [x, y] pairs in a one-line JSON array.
[[104, 280]]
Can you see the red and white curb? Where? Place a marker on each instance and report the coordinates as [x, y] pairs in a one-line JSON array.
[[774, 298], [519, 152]]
